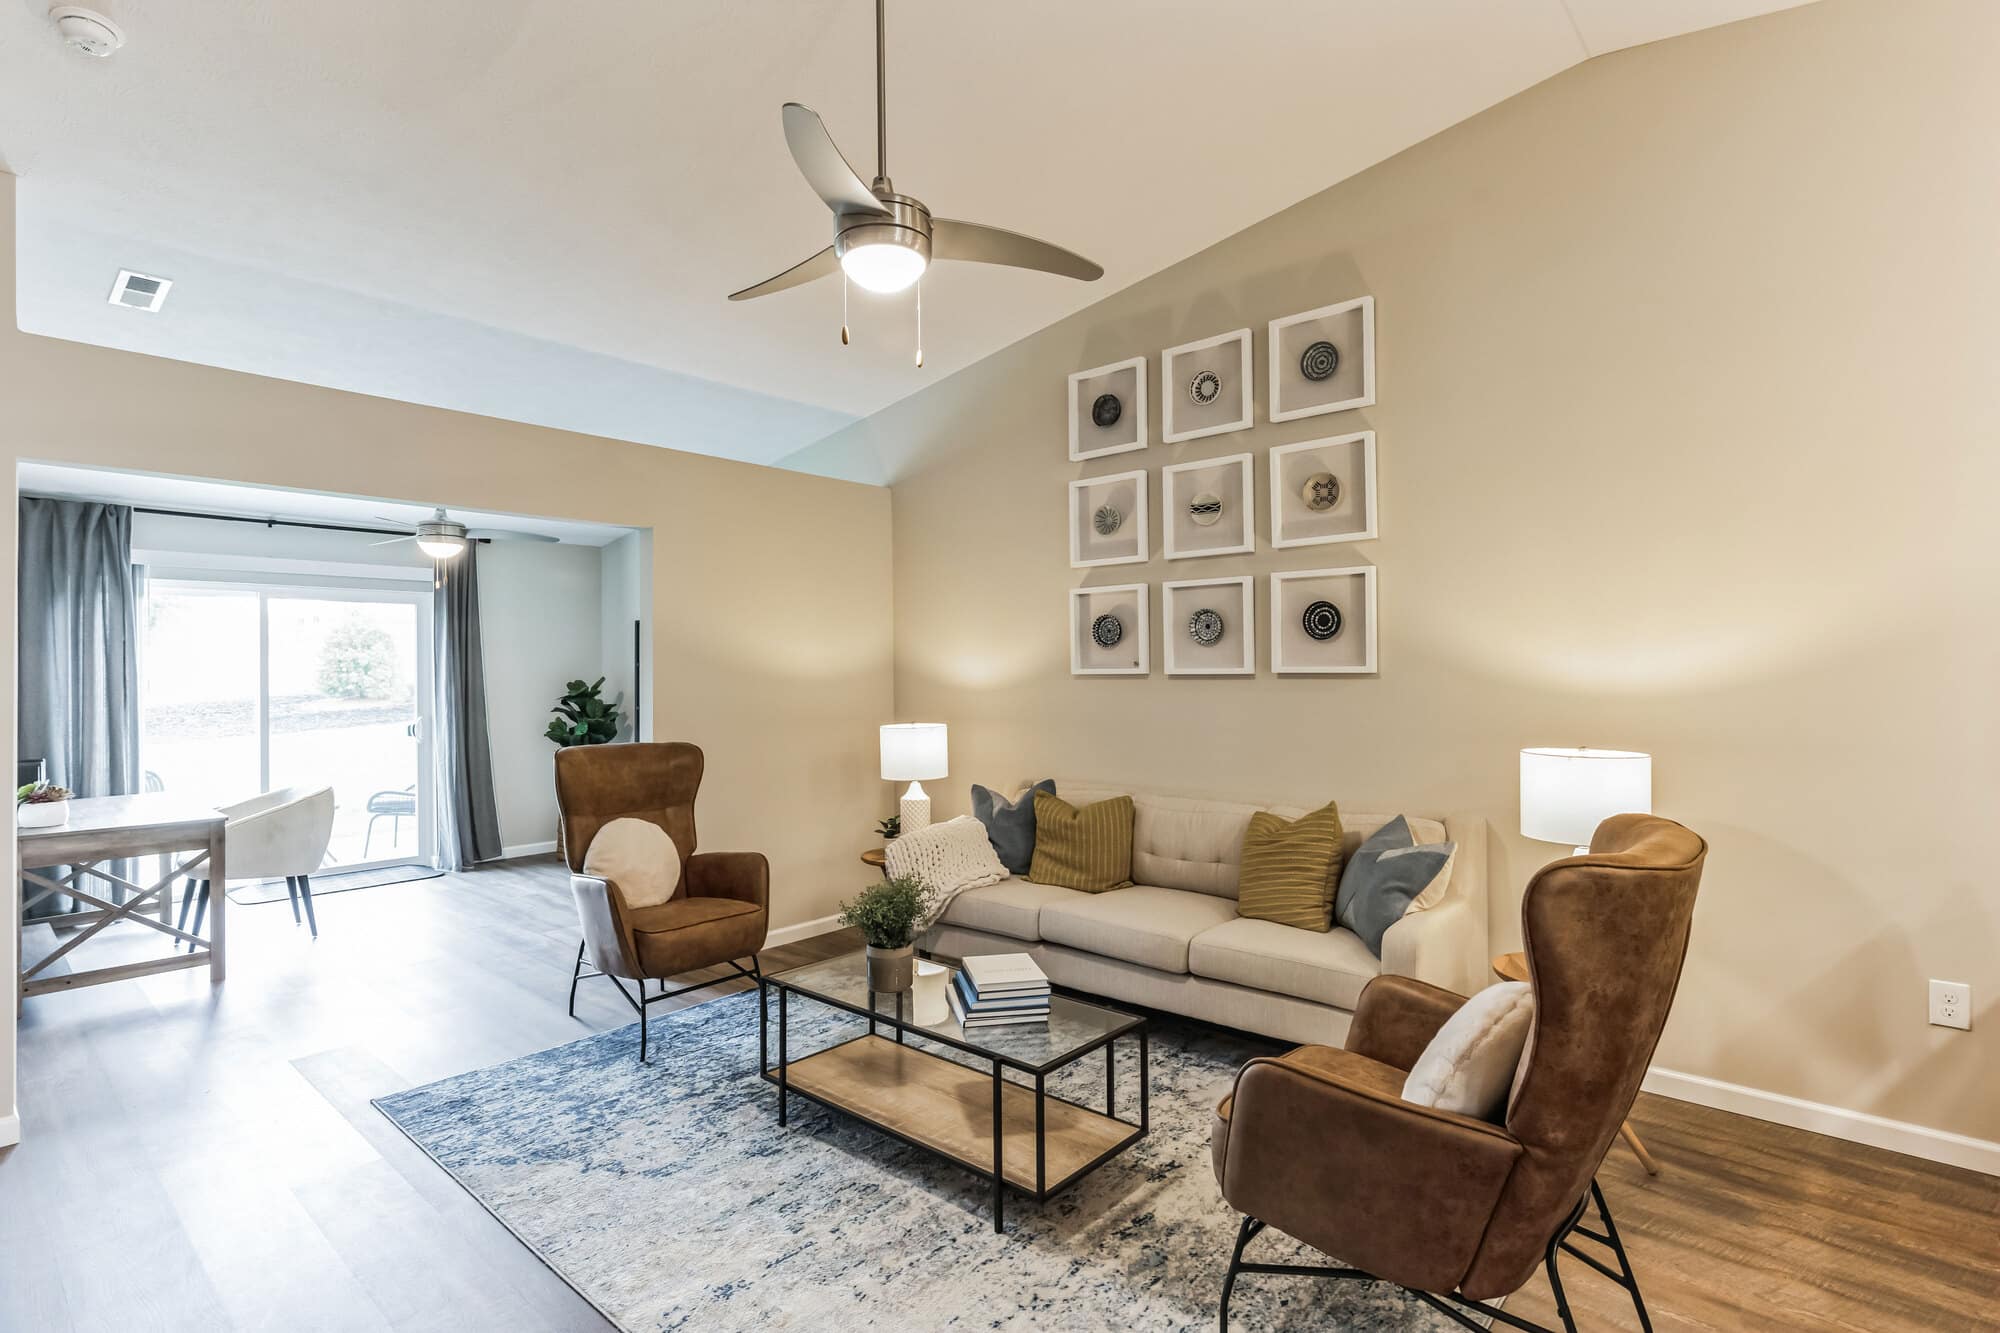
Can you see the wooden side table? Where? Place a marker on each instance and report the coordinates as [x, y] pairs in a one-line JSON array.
[[877, 857], [1514, 967]]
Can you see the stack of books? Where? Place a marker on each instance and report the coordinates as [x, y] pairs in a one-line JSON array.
[[999, 989]]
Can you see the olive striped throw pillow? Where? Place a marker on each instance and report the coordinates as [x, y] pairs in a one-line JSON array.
[[1089, 849], [1291, 868]]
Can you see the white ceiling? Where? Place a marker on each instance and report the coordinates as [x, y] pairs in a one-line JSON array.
[[200, 496], [533, 209]]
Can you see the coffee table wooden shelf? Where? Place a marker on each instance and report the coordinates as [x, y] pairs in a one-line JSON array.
[[972, 1116]]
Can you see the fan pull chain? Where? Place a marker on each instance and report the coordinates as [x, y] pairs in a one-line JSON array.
[[843, 307], [920, 323]]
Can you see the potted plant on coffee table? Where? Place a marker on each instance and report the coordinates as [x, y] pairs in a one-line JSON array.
[[887, 915]]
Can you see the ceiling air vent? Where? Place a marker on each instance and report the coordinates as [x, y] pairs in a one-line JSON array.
[[139, 291]]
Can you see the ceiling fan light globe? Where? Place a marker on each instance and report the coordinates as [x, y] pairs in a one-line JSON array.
[[884, 268], [441, 546]]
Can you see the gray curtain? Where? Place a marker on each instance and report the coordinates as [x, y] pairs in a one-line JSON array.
[[79, 685], [468, 826]]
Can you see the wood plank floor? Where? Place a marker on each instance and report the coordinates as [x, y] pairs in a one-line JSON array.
[[207, 1159]]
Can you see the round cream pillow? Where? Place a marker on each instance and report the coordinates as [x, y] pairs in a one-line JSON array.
[[639, 857]]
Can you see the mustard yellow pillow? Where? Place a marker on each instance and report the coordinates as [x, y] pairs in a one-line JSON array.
[[1291, 868], [1089, 849]]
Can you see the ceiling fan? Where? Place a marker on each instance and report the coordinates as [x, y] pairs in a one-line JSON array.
[[883, 240], [442, 538]]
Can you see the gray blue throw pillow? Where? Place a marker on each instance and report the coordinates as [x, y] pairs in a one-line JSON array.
[[1382, 878], [1010, 825]]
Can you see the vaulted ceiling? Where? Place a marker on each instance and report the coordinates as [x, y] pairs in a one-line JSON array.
[[534, 209]]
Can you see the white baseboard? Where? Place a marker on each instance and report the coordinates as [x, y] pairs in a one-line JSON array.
[[1876, 1131], [527, 849], [10, 1129], [805, 930]]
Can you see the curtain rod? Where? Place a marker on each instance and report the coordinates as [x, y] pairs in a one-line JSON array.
[[281, 522]]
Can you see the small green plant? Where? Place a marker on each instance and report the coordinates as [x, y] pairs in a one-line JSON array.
[[890, 828], [582, 717], [887, 914], [40, 793]]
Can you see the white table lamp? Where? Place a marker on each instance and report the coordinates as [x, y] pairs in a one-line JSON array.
[[1566, 794], [911, 752]]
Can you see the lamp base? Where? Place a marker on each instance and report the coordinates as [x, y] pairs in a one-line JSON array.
[[915, 809]]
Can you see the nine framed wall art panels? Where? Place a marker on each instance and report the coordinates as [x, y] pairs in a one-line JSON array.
[[1107, 410], [1109, 634], [1205, 388], [1322, 360]]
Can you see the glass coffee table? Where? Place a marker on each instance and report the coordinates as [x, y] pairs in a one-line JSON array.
[[1016, 1134]]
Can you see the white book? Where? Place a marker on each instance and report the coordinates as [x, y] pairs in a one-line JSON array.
[[999, 971], [992, 1020]]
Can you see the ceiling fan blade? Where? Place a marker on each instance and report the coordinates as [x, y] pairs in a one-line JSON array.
[[391, 541], [818, 266], [821, 163], [996, 245], [507, 535]]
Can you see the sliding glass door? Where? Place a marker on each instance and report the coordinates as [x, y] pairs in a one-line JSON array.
[[246, 687]]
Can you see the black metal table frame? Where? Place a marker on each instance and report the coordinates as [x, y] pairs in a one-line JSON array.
[[1043, 1190]]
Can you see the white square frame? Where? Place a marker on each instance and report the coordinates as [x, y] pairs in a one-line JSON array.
[[1170, 501], [1370, 604], [1077, 518], [1281, 496], [1366, 305], [1077, 453], [1142, 594], [1169, 396], [1173, 630]]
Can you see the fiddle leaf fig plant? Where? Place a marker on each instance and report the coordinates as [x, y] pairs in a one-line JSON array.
[[582, 717]]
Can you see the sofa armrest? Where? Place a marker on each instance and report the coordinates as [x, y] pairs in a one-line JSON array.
[[1443, 945], [744, 876], [1321, 1148], [1396, 1019], [600, 911]]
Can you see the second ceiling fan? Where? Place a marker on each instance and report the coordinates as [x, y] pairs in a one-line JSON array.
[[883, 240]]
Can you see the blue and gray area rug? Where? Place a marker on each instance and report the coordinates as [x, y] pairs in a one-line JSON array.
[[669, 1196]]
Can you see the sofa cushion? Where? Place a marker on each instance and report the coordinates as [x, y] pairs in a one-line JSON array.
[[1012, 907], [1290, 867], [1088, 849], [1010, 825], [1329, 968], [1144, 924], [1390, 874]]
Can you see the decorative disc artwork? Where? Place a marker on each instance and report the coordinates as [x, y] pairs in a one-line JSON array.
[[1205, 387], [1106, 520], [1205, 509], [1106, 410], [1319, 361], [1321, 491], [1205, 627], [1106, 631], [1321, 620]]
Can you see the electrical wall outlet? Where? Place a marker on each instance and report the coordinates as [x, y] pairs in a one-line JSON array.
[[1951, 1004]]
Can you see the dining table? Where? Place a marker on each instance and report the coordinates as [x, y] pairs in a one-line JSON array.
[[80, 859]]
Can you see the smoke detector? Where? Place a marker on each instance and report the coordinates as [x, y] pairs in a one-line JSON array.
[[87, 30]]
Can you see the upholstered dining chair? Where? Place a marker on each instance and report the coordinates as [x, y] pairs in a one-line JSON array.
[[720, 911], [281, 834], [1458, 1211]]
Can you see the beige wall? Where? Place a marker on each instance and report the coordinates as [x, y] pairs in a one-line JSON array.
[[770, 589], [1688, 434]]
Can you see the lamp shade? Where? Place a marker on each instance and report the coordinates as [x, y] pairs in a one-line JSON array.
[[913, 751], [1566, 794]]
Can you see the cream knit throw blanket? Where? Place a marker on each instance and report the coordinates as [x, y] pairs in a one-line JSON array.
[[949, 858]]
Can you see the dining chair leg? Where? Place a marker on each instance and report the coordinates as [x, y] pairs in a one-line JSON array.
[[292, 892], [187, 904], [306, 896]]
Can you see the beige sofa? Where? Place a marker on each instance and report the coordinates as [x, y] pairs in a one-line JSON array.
[[1173, 940]]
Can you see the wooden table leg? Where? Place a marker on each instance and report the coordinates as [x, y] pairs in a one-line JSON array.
[[1631, 1137], [218, 903]]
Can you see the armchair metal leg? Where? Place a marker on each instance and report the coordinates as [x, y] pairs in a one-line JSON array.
[[1456, 1307], [576, 975], [754, 972]]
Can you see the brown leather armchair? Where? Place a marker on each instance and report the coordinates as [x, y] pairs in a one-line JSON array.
[[720, 912], [1319, 1143]]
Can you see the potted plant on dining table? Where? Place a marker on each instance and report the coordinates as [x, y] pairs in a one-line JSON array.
[[41, 805], [887, 915]]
